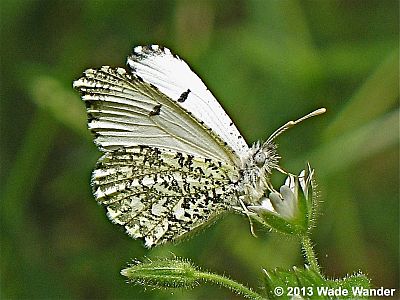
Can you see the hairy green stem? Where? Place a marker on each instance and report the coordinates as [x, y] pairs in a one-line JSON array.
[[230, 284], [309, 254]]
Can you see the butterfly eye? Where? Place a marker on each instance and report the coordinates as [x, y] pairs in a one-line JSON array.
[[259, 158]]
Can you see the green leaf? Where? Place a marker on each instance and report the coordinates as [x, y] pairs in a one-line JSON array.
[[299, 283]]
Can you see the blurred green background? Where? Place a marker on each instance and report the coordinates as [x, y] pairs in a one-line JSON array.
[[267, 62]]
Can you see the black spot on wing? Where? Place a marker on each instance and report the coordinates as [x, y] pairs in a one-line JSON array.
[[156, 110], [133, 69], [139, 78], [184, 96]]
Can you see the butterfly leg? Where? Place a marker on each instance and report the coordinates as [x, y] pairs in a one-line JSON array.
[[248, 213]]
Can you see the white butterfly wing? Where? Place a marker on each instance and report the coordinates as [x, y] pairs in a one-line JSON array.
[[173, 77], [127, 112]]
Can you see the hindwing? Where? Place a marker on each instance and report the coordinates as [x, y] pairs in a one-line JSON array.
[[162, 195]]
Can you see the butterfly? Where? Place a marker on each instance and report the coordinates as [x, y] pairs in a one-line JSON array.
[[173, 159]]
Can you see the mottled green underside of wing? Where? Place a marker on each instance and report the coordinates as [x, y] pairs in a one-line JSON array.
[[162, 195]]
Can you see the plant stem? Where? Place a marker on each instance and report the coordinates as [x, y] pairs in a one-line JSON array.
[[230, 284], [309, 254]]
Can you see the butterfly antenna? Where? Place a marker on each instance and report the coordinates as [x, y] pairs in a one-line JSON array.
[[290, 124]]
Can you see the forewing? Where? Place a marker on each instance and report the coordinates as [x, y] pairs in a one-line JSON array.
[[124, 111], [160, 195], [172, 76]]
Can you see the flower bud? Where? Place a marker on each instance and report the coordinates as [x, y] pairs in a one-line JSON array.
[[165, 273]]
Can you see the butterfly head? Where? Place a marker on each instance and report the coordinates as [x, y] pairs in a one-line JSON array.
[[261, 160], [263, 157], [257, 167]]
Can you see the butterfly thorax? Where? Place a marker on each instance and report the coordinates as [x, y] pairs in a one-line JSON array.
[[256, 170]]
